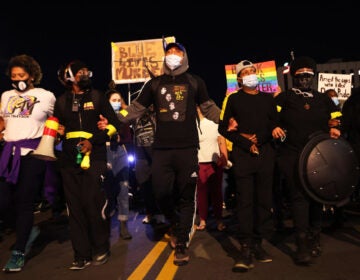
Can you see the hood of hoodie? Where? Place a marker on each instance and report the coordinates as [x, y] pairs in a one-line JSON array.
[[183, 68]]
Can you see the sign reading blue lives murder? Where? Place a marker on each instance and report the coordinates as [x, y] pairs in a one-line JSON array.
[[341, 83], [132, 61]]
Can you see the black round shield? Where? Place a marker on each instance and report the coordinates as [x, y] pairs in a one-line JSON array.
[[328, 169]]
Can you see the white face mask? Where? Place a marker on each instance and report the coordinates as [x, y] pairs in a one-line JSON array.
[[250, 81], [116, 106], [335, 100], [173, 61]]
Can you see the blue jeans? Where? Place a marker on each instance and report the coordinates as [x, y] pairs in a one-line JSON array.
[[117, 182]]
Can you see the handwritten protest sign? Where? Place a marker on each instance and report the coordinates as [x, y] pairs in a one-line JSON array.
[[132, 61], [341, 83], [266, 72]]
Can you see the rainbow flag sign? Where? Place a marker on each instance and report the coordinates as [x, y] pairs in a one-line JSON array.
[[266, 72]]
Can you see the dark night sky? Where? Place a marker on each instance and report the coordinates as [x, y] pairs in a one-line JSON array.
[[213, 36]]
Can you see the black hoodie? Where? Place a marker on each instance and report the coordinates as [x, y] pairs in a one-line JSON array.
[[175, 100]]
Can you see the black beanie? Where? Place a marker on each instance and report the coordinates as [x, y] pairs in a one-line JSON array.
[[302, 62], [76, 65]]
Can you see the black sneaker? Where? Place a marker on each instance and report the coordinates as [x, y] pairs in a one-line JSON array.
[[244, 261], [260, 254], [303, 253], [314, 244], [124, 232], [101, 259], [79, 264], [181, 255], [316, 250]]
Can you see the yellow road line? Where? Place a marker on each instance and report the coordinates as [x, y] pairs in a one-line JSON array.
[[146, 264], [169, 269]]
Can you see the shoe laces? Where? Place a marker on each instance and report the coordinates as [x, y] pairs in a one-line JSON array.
[[17, 257]]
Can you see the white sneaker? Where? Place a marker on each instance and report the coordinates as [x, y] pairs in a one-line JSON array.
[[147, 219]]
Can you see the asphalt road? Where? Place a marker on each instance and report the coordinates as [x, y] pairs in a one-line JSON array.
[[148, 256]]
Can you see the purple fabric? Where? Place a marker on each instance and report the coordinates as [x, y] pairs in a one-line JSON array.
[[51, 183], [12, 175]]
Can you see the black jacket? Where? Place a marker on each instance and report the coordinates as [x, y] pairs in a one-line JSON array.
[[175, 99], [91, 104]]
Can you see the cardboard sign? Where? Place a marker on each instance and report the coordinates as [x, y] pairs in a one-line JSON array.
[[266, 72], [341, 83], [132, 61]]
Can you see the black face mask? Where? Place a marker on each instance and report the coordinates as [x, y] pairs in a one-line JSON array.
[[303, 81], [20, 85], [84, 83]]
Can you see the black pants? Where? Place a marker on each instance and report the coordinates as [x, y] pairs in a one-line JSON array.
[[174, 175], [306, 212], [254, 181], [86, 201], [144, 178], [18, 200]]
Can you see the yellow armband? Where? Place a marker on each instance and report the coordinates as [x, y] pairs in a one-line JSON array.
[[111, 130], [335, 115]]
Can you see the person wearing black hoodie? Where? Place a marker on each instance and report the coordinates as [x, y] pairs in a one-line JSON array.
[[176, 141], [303, 112]]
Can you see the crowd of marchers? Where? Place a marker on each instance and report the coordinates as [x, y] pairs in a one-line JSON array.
[[183, 142]]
